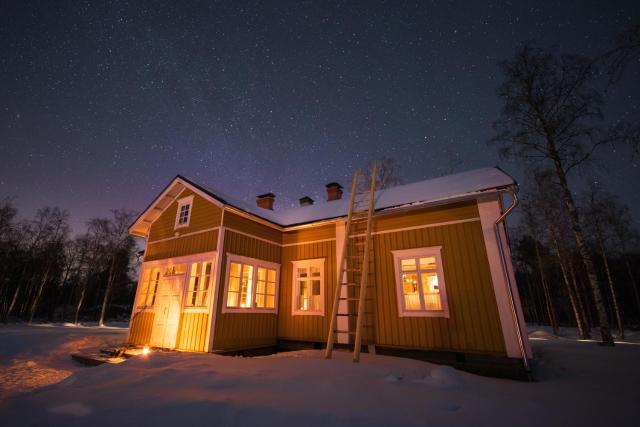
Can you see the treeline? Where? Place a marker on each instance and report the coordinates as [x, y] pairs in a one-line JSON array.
[[46, 274], [553, 282], [576, 251]]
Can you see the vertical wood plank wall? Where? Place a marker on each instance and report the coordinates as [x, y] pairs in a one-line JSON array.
[[204, 215], [301, 327], [473, 325], [187, 245], [192, 332], [235, 331], [141, 325]]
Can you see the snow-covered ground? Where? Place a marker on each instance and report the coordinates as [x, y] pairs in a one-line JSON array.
[[579, 383]]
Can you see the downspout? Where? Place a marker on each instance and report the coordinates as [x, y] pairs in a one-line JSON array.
[[505, 271]]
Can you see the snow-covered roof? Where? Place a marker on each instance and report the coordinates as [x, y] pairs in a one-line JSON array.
[[422, 192], [436, 190]]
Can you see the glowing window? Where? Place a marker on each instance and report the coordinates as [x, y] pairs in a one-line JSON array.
[[183, 215], [148, 287], [308, 287], [199, 280], [252, 285], [420, 283]]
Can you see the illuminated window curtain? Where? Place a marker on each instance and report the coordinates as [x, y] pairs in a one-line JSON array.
[[309, 288]]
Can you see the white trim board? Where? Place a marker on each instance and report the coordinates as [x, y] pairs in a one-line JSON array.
[[490, 210], [193, 233]]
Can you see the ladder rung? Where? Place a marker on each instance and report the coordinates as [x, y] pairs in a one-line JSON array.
[[353, 314], [354, 299], [351, 269], [337, 331]]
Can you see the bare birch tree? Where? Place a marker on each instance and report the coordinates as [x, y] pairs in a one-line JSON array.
[[551, 109]]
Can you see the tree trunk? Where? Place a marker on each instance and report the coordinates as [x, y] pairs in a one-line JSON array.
[[79, 305], [553, 320], [14, 299], [36, 300], [107, 291], [605, 329], [586, 313], [582, 329], [614, 298]]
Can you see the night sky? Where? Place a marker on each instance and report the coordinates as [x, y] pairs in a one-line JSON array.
[[102, 103]]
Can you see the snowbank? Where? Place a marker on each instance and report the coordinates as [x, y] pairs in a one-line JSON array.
[[578, 384]]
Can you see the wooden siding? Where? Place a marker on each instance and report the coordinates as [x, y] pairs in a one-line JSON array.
[[194, 244], [140, 328], [253, 228], [204, 215], [473, 326], [309, 234], [235, 331], [301, 327], [192, 332], [433, 215]]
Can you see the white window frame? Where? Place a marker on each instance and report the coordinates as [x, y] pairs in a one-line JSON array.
[[185, 201], [256, 263], [306, 263], [432, 251]]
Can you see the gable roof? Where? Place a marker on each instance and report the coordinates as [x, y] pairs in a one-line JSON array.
[[437, 190]]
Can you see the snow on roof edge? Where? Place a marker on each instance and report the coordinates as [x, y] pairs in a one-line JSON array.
[[434, 190]]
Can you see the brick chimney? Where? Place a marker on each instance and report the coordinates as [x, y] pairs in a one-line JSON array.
[[265, 201], [334, 191], [306, 201]]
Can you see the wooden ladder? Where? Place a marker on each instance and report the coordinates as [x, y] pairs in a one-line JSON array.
[[353, 269]]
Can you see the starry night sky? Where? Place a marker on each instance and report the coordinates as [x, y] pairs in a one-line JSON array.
[[102, 103]]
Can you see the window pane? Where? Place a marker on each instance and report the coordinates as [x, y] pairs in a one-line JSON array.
[[271, 288], [428, 263], [232, 299], [316, 287], [235, 269], [202, 300], [315, 271], [234, 284], [261, 287], [262, 274], [410, 291], [432, 299], [272, 275], [246, 290], [408, 264], [271, 301], [302, 272], [303, 295], [260, 301], [316, 303]]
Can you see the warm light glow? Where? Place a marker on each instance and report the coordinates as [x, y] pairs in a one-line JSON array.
[[146, 350]]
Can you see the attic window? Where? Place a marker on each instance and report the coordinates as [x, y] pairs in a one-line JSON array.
[[183, 215]]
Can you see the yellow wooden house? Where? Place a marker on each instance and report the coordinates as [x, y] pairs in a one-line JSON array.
[[223, 276]]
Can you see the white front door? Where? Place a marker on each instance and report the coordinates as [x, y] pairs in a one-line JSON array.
[[167, 312]]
